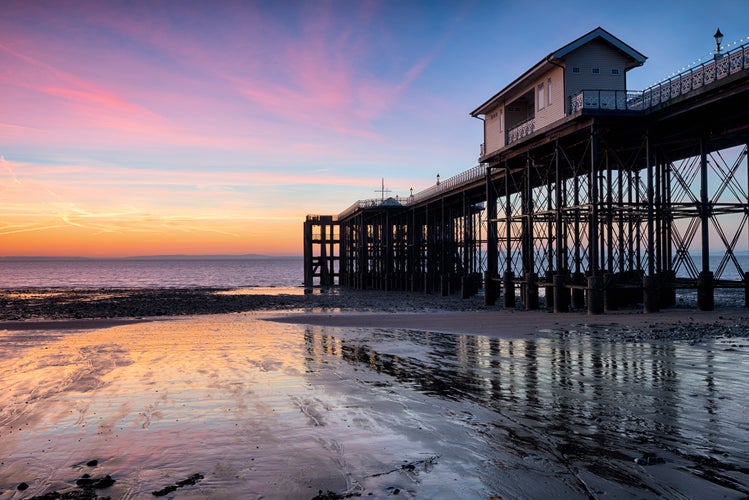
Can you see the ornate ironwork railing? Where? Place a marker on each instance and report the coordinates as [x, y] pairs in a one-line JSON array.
[[705, 74], [525, 129], [470, 175], [466, 177], [618, 100], [688, 81], [373, 203]]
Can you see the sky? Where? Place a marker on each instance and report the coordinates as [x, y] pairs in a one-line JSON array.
[[214, 127]]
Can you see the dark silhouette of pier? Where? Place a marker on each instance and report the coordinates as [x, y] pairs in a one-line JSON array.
[[602, 208]]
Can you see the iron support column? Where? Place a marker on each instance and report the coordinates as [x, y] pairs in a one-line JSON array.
[[530, 285], [650, 300], [561, 293], [705, 283], [508, 280], [595, 282], [491, 289]]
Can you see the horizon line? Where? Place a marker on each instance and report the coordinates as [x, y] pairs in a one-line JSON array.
[[154, 256]]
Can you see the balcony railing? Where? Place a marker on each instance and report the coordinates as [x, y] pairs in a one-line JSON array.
[[688, 81], [618, 100], [518, 132]]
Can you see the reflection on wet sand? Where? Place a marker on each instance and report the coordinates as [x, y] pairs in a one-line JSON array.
[[587, 406], [230, 406]]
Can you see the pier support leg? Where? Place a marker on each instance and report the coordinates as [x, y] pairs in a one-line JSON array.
[[610, 302], [509, 290], [595, 294], [531, 291], [650, 294], [549, 290], [578, 294], [668, 292], [444, 285], [561, 293], [491, 290], [746, 289], [705, 288], [466, 287]]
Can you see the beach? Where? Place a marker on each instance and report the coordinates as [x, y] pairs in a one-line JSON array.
[[252, 395]]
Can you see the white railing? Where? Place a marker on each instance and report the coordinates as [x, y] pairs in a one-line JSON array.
[[373, 203], [465, 177], [688, 81], [617, 100], [525, 129], [698, 77]]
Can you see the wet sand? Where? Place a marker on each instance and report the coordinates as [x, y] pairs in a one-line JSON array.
[[430, 404], [518, 324]]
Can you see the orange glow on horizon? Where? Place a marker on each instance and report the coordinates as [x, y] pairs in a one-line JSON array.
[[215, 238]]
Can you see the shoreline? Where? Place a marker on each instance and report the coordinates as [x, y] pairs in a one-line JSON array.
[[85, 309], [618, 325], [70, 324]]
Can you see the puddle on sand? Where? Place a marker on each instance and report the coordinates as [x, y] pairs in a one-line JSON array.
[[264, 409]]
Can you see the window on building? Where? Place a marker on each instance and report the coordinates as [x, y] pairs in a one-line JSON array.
[[576, 69], [548, 91], [595, 71], [614, 71], [493, 116], [541, 96], [501, 120]]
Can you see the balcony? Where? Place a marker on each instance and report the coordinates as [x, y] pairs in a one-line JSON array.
[[616, 100], [688, 81], [524, 129]]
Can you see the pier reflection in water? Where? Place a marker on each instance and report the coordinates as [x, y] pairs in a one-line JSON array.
[[577, 403]]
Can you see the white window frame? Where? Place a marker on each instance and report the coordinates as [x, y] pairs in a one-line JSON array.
[[540, 96]]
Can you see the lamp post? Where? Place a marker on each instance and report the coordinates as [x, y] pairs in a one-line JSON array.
[[438, 179], [718, 40]]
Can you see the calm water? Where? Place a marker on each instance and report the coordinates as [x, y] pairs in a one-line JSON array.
[[145, 273], [209, 272]]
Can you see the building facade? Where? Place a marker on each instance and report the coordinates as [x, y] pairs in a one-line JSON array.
[[594, 66]]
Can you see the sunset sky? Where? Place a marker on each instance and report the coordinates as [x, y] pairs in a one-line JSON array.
[[214, 127]]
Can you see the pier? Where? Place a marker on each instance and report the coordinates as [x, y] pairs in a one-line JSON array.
[[592, 198]]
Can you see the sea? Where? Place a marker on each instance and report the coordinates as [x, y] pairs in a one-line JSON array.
[[206, 272], [173, 272]]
